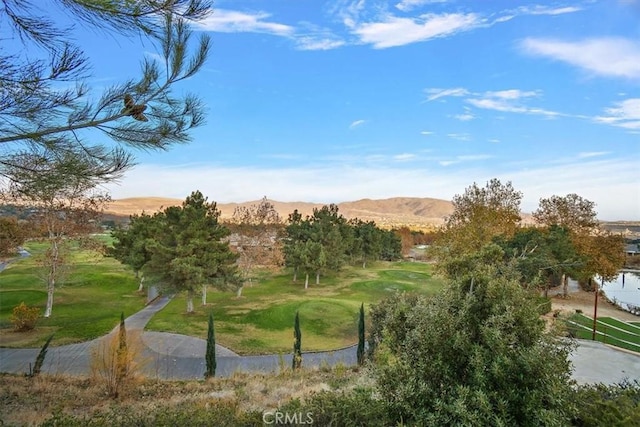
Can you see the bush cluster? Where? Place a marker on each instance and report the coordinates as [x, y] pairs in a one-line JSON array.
[[24, 318]]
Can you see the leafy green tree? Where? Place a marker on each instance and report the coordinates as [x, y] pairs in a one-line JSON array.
[[479, 215], [601, 252], [256, 229], [210, 354], [130, 245], [297, 344], [476, 354], [50, 110], [391, 245], [65, 209], [188, 251], [12, 235]]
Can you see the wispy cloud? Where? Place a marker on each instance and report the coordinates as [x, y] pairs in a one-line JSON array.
[[357, 123], [465, 158], [231, 21], [407, 5], [435, 93], [404, 157], [314, 43], [625, 114], [391, 31], [426, 133], [590, 154], [547, 10], [510, 101], [460, 136], [613, 57]]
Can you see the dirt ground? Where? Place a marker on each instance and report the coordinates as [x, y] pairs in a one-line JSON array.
[[582, 300]]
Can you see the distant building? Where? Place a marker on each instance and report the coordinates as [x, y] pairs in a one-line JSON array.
[[631, 249]]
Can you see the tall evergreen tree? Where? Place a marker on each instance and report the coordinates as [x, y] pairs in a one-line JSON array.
[[361, 334], [188, 251], [297, 344], [210, 354]]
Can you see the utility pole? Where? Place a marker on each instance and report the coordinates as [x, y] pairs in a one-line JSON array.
[[595, 311]]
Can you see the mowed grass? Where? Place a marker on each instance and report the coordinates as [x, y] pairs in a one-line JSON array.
[[87, 303], [261, 321], [608, 330]]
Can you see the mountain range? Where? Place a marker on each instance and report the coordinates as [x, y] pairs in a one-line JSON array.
[[414, 212]]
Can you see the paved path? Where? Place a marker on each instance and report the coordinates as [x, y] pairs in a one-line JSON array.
[[164, 355], [174, 356]]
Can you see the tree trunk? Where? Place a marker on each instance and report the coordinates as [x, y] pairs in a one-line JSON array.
[[190, 302], [51, 279], [317, 278], [50, 288], [239, 292], [295, 274], [364, 263], [141, 286], [306, 281], [204, 294], [565, 285]]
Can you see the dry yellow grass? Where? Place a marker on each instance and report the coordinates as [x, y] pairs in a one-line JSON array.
[[25, 401]]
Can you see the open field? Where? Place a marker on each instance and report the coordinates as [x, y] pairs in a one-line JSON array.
[[261, 321], [87, 304]]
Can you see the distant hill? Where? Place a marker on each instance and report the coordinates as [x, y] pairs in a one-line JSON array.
[[418, 213]]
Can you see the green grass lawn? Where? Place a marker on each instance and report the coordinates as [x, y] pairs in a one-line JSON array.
[[261, 321], [609, 331], [87, 303]]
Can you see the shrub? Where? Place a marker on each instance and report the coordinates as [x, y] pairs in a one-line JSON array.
[[24, 318], [602, 405], [115, 361], [357, 407]]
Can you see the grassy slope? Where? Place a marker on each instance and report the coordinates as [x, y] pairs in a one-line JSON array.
[[87, 304], [261, 321], [629, 340]]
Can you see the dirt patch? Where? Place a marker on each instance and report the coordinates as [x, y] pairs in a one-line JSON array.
[[582, 300]]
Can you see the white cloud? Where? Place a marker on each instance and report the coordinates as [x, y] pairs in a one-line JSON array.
[[459, 136], [509, 101], [614, 57], [435, 93], [426, 133], [404, 157], [589, 154], [464, 117], [547, 10], [230, 21], [393, 31], [313, 43], [407, 5], [625, 114], [591, 178], [357, 123], [466, 158]]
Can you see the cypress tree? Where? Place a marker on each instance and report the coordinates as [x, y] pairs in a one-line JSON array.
[[210, 355], [40, 358], [360, 353], [122, 363], [297, 343]]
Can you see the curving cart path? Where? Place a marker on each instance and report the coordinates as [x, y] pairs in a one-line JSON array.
[[164, 355], [174, 356]]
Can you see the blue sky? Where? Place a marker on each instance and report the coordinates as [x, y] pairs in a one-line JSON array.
[[331, 101]]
